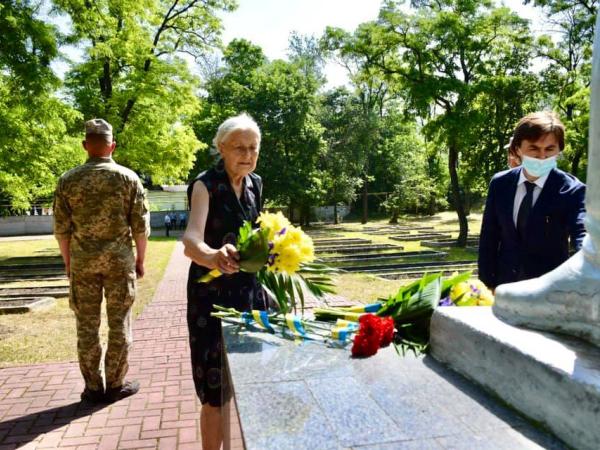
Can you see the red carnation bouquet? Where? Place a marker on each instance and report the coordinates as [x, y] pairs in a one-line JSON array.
[[374, 332]]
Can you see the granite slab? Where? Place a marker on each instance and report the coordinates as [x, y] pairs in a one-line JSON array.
[[304, 395], [553, 379]]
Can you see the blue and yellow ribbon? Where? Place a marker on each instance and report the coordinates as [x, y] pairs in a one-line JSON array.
[[341, 334], [295, 325], [372, 308], [260, 317], [341, 323], [215, 273]]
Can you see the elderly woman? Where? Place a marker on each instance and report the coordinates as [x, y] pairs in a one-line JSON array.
[[221, 199]]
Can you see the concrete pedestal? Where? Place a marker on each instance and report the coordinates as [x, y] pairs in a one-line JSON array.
[[554, 380]]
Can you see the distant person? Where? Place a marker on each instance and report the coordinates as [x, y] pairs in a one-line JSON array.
[[98, 208], [182, 220], [167, 224], [532, 211], [173, 220], [513, 159]]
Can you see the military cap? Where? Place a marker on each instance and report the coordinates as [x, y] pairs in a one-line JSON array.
[[98, 126]]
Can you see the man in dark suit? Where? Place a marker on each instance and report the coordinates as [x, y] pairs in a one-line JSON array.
[[531, 211]]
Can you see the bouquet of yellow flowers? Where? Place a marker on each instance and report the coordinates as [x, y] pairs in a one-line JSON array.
[[276, 244], [471, 293], [288, 245]]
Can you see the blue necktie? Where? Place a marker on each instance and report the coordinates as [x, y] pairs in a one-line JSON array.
[[525, 209]]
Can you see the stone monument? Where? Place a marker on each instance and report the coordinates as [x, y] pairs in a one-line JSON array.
[[567, 300]]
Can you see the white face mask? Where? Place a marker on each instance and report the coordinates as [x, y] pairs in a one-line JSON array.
[[538, 167]]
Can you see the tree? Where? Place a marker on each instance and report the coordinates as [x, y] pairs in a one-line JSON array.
[[566, 79], [35, 143], [371, 89], [444, 55], [282, 99], [342, 161], [134, 75]]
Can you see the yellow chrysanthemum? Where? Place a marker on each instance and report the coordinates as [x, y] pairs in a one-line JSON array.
[[307, 251], [274, 222], [459, 290]]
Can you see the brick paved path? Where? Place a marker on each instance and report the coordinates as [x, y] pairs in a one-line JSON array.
[[39, 404]]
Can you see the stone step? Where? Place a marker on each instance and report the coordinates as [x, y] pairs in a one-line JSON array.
[[35, 291], [372, 256], [448, 242], [444, 270], [321, 242], [18, 305], [43, 276], [554, 380], [395, 267], [5, 267], [355, 248], [420, 237]]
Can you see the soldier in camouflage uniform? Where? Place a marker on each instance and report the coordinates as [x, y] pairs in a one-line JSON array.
[[98, 208]]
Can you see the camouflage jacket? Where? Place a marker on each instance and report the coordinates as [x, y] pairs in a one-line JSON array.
[[99, 206]]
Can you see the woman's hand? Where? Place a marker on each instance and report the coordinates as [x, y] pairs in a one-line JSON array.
[[226, 259]]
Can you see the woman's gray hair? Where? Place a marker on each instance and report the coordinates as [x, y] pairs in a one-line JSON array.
[[240, 122]]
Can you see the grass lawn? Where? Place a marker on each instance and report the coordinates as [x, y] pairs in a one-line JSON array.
[[43, 336]]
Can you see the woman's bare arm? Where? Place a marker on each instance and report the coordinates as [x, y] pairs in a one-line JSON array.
[[225, 258]]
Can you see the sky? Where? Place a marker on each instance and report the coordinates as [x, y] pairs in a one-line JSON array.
[[269, 23]]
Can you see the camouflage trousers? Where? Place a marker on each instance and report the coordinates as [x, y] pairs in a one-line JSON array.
[[87, 286]]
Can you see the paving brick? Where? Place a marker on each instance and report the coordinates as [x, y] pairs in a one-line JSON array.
[[75, 430], [168, 443], [151, 423], [82, 440], [124, 422], [131, 433], [190, 446], [51, 440], [109, 442], [103, 431], [143, 443], [97, 420], [188, 434], [159, 433]]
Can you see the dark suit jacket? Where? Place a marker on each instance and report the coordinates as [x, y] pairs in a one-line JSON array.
[[557, 215]]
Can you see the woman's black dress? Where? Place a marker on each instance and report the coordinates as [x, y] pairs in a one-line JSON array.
[[241, 290]]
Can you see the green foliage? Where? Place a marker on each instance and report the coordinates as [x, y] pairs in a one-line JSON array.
[[440, 58], [412, 307], [35, 143], [288, 290], [567, 77], [282, 99], [133, 75], [253, 247], [27, 45]]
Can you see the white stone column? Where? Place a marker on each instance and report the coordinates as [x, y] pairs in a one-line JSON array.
[[591, 245]]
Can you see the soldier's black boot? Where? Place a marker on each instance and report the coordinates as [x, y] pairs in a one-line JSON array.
[[93, 396], [128, 389]]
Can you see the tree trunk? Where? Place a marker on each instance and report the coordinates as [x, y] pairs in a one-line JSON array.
[[576, 160], [365, 202], [335, 214], [457, 199], [291, 212]]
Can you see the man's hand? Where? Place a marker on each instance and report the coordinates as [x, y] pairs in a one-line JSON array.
[[139, 268]]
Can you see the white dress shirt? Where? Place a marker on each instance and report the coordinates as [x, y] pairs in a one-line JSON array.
[[522, 191]]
